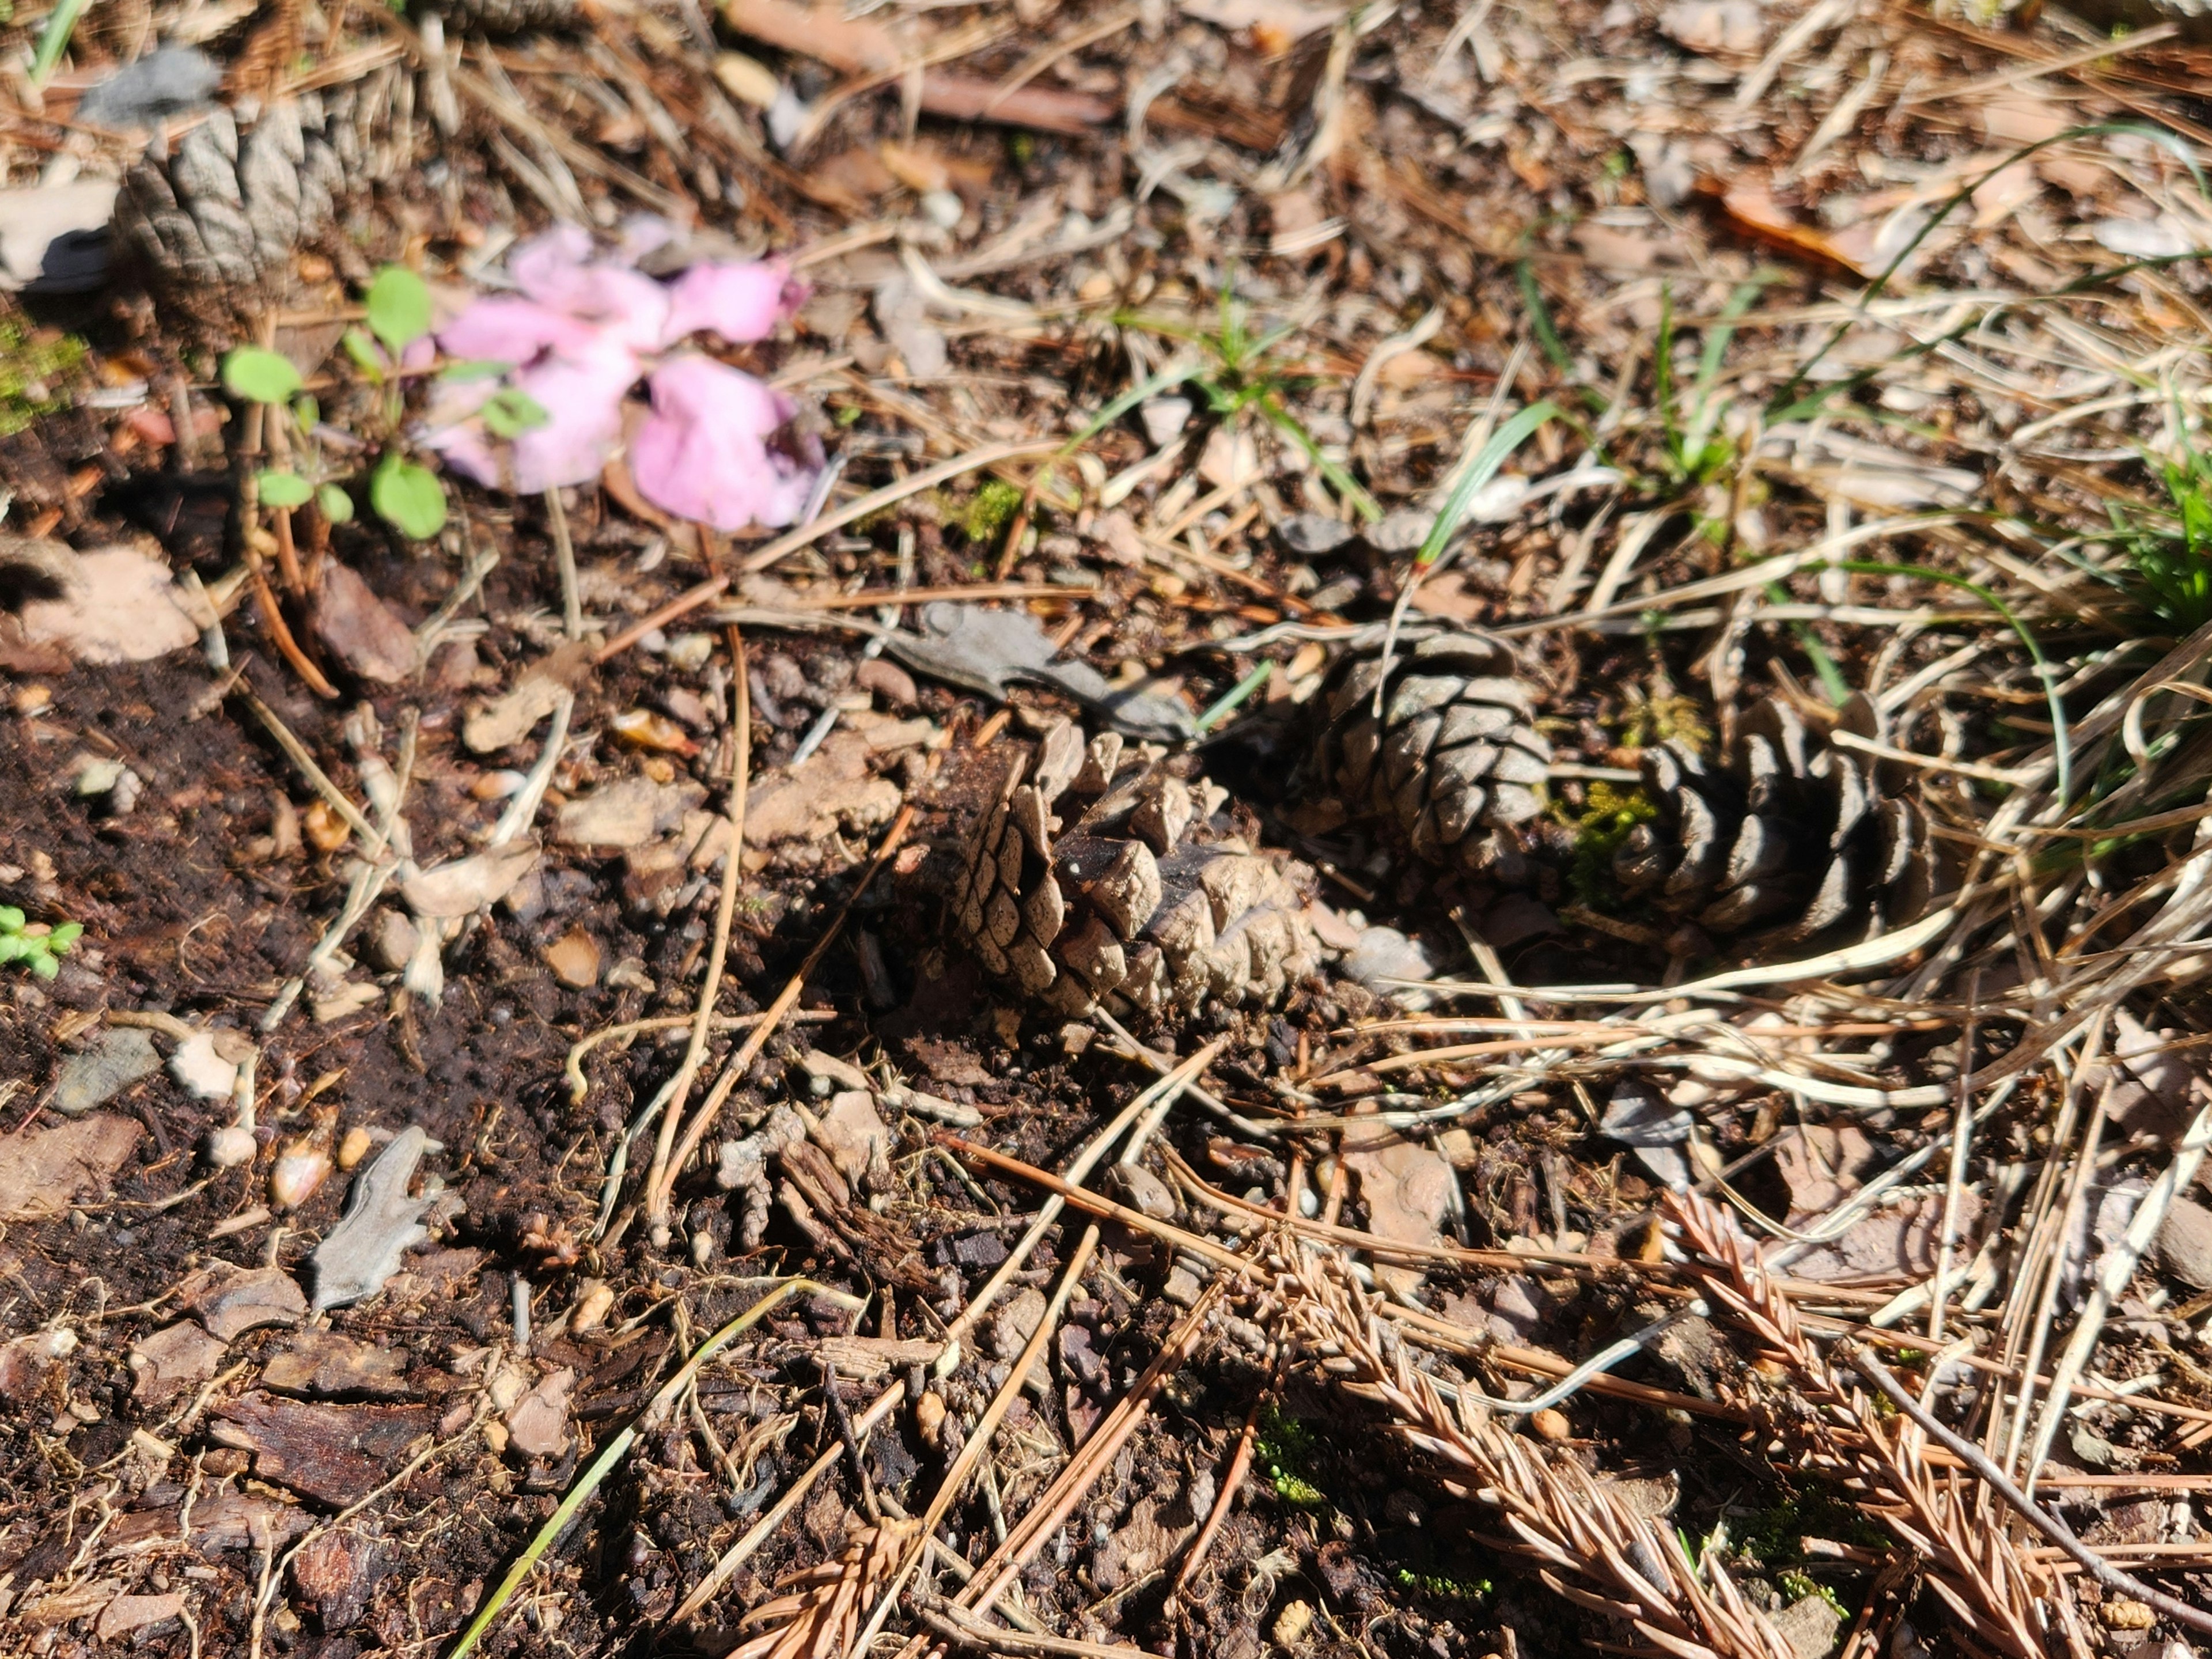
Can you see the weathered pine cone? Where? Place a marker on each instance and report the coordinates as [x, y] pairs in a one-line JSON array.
[[1454, 752], [235, 200], [1148, 899], [1796, 837], [510, 16]]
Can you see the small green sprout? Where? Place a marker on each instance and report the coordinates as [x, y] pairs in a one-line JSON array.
[[1285, 1446], [41, 947]]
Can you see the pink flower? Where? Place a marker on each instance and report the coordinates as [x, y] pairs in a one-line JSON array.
[[704, 453], [580, 334]]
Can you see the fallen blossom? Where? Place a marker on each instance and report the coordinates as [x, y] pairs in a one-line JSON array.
[[582, 330]]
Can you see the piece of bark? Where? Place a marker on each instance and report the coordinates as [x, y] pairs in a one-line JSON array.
[[221, 1520], [337, 1572], [856, 46], [335, 1454], [325, 1363]]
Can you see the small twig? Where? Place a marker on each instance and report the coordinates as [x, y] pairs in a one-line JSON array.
[[272, 618], [656, 1190], [963, 1628], [2030, 1512], [332, 795], [564, 555], [683, 604], [670, 1100]]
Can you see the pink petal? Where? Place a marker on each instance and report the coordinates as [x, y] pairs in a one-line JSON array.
[[542, 264], [506, 330], [703, 453], [467, 448], [643, 233], [740, 302], [583, 400]]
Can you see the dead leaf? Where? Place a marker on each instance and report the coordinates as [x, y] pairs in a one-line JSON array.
[[115, 605], [627, 813], [127, 1614], [853, 1135], [832, 790], [380, 1222], [231, 1301], [43, 1170], [508, 719], [54, 237], [1283, 20], [1407, 1189], [360, 629], [466, 886], [174, 1358]]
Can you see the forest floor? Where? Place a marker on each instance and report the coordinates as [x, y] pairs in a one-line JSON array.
[[1729, 353]]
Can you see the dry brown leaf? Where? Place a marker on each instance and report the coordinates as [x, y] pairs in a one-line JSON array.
[[43, 1170]]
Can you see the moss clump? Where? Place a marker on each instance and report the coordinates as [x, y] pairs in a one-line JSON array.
[[1605, 822], [1284, 1448], [36, 371], [1442, 1584], [1647, 721], [990, 510]]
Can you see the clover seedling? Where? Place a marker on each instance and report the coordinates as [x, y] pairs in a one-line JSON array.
[[402, 492], [35, 943]]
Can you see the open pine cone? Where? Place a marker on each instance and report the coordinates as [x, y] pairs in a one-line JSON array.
[[236, 200], [1454, 752], [510, 16], [1796, 837], [1146, 896]]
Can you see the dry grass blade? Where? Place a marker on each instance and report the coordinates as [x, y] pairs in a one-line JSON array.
[[1594, 1551], [818, 1613], [1981, 1574]]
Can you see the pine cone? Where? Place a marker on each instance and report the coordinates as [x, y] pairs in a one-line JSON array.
[[510, 16], [234, 202], [1798, 836], [1147, 897], [1455, 751]]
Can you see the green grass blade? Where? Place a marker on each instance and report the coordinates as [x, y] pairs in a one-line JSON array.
[[54, 39], [1173, 375], [1502, 442], [2060, 739], [1344, 483], [1540, 318], [1233, 698], [611, 1454]]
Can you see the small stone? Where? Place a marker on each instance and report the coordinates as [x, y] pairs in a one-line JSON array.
[[2185, 1244], [1549, 1425], [574, 959], [202, 1067], [1181, 1287], [1015, 1323], [537, 1424], [929, 1419], [232, 1301], [942, 208], [888, 681], [392, 941], [118, 1058], [746, 79], [1141, 1190], [1811, 1625], [354, 1147], [1292, 1623]]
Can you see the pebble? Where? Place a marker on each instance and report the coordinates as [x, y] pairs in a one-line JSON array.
[[117, 1058], [1549, 1425], [2185, 1244], [354, 1147], [888, 681], [746, 79], [929, 1419], [574, 959]]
